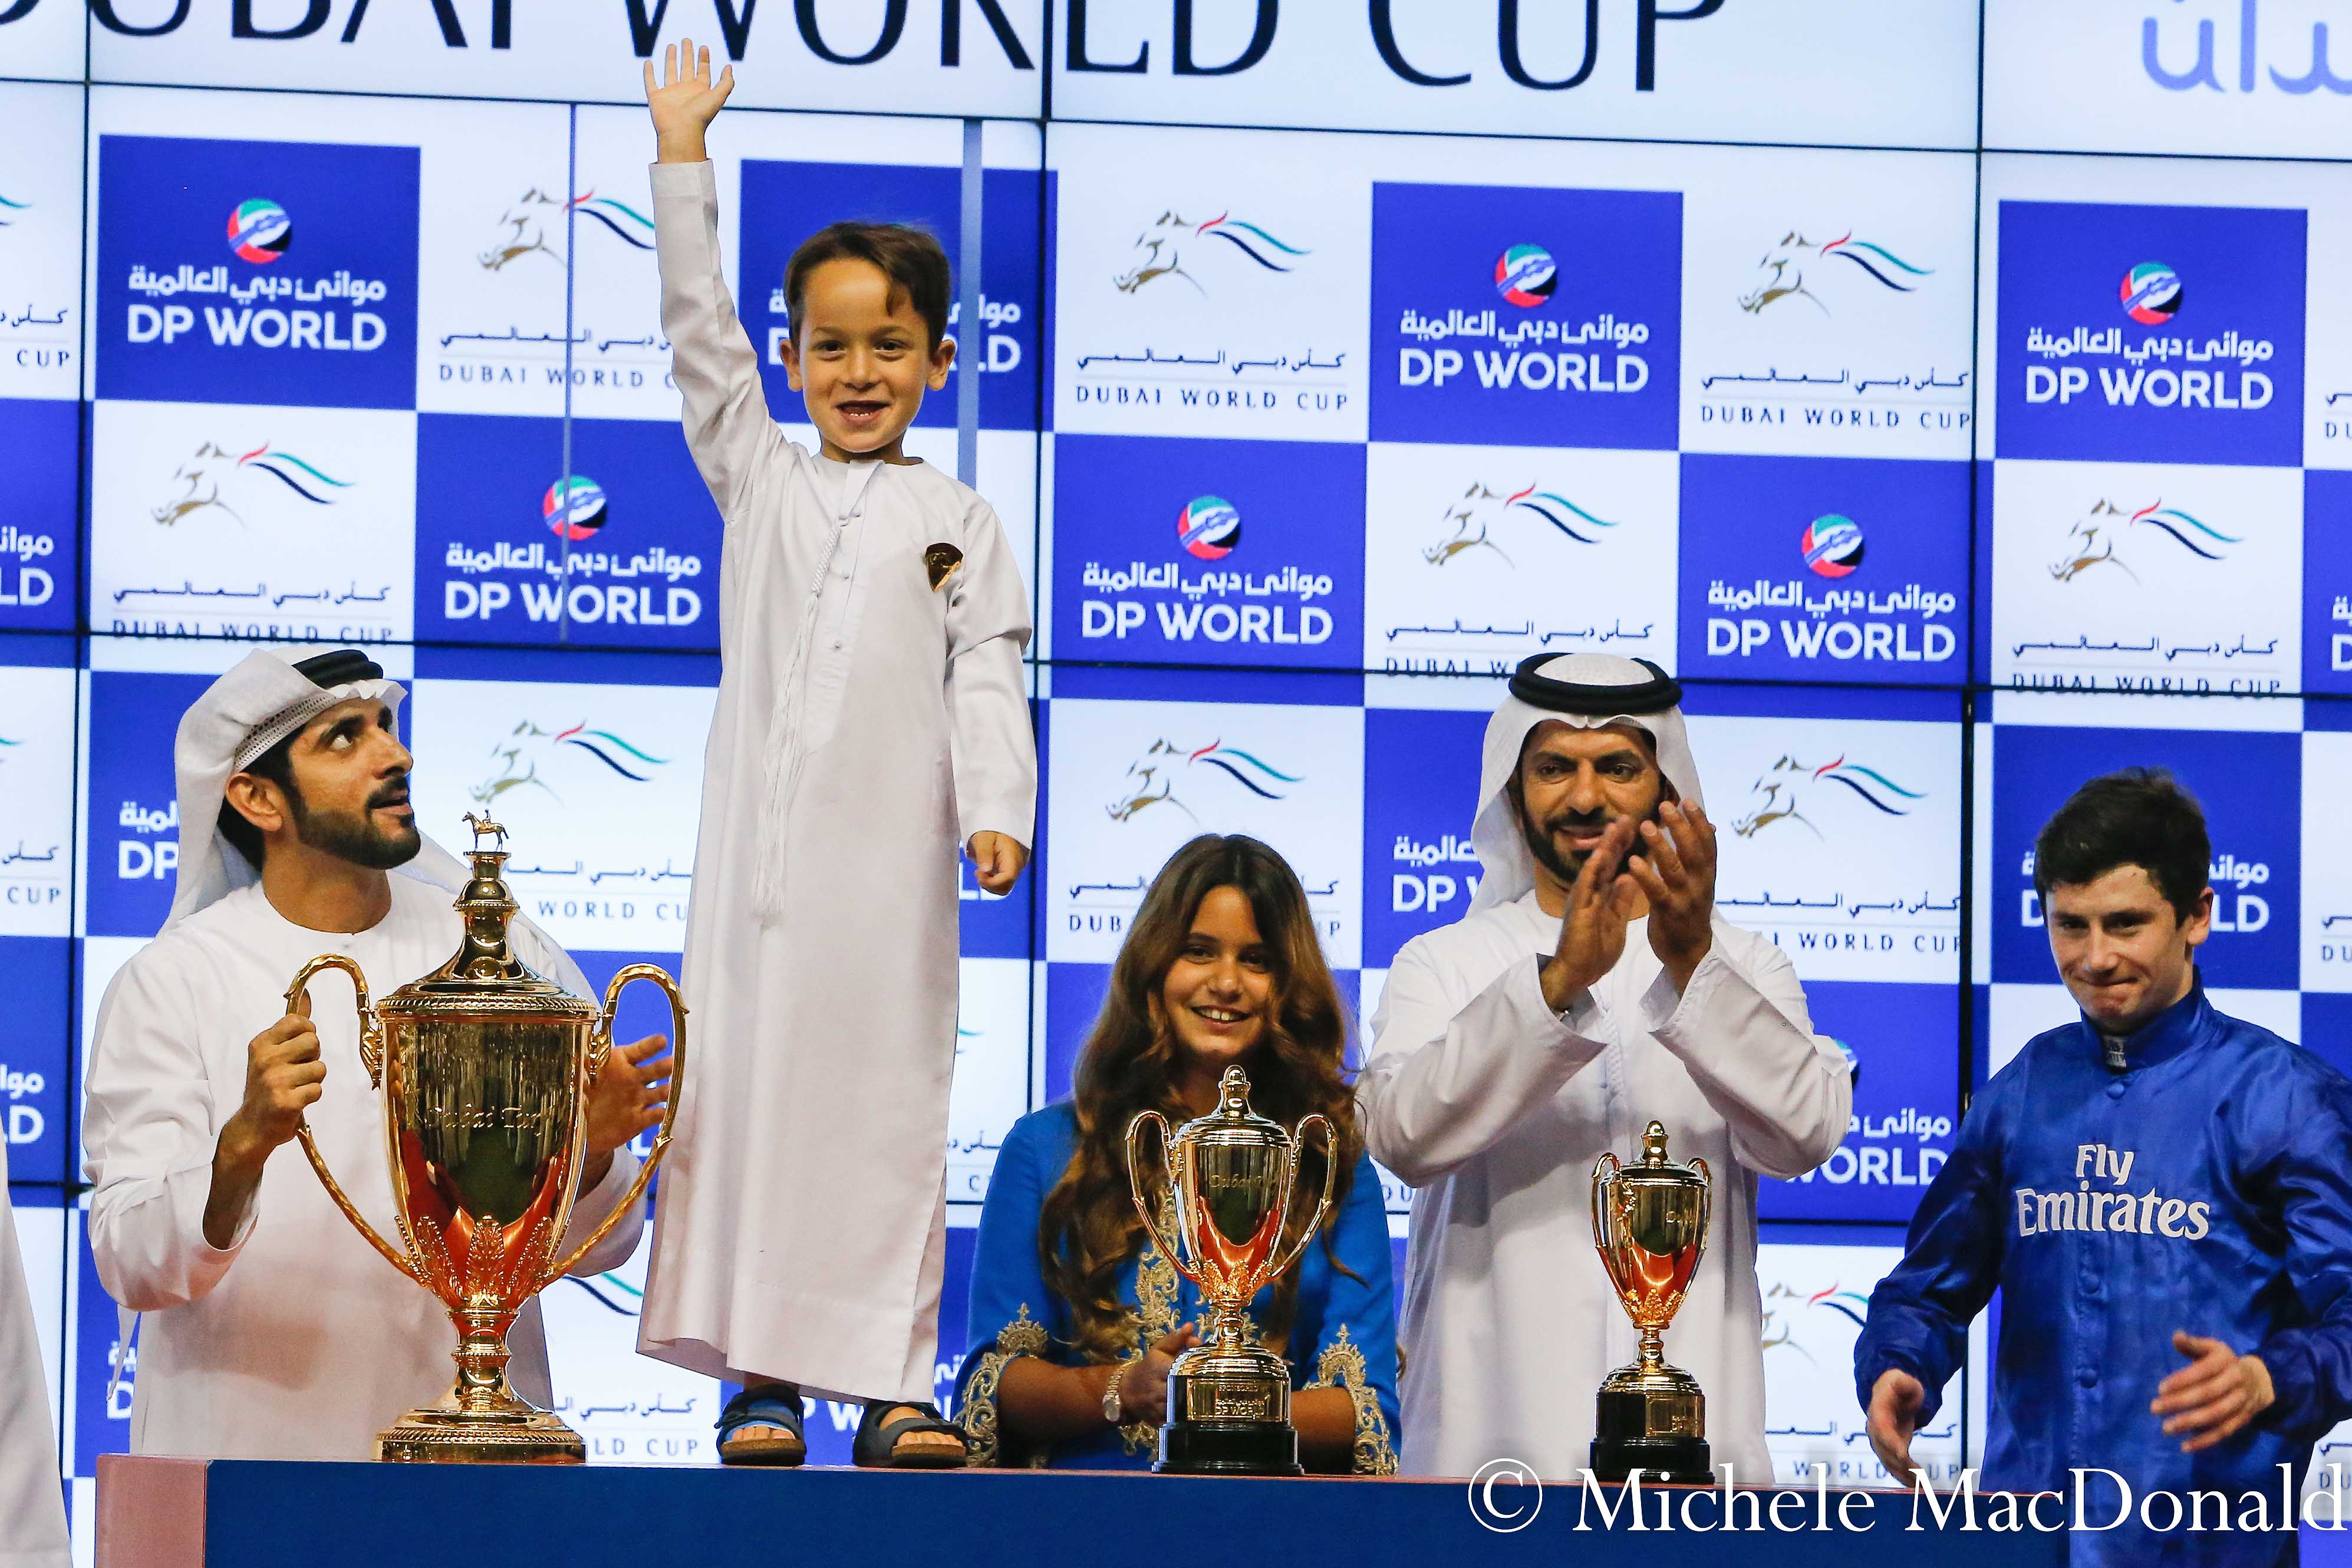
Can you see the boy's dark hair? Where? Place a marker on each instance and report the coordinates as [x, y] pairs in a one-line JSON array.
[[2139, 817], [276, 765], [910, 258]]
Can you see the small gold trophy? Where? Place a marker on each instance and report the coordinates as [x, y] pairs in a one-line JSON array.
[[1233, 1173], [1650, 1223], [485, 1069]]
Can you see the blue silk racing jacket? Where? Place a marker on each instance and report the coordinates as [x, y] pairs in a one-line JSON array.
[[2202, 1181]]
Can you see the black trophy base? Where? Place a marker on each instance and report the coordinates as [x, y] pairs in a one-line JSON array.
[[1675, 1460], [1229, 1448]]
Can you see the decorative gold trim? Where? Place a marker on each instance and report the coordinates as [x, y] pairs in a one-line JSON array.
[[1342, 1364], [1152, 1318], [1022, 1336]]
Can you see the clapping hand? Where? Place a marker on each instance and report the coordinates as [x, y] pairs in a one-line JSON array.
[[685, 101], [1592, 931], [1676, 874]]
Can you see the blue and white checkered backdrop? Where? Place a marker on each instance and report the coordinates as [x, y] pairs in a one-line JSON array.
[[1958, 401]]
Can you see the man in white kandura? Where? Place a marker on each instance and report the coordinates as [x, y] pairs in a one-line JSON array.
[[32, 1498], [1591, 988], [273, 1329]]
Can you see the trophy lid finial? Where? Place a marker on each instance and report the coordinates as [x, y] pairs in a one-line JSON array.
[[1654, 1143], [1233, 1091]]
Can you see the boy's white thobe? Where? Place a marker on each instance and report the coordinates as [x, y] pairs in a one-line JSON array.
[[868, 724]]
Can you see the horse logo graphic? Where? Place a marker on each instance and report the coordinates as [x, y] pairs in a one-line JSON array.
[[204, 476], [1784, 1305], [1472, 522], [530, 218], [1162, 247], [8, 211], [521, 750], [1153, 779], [1779, 793], [2091, 541], [1795, 267]]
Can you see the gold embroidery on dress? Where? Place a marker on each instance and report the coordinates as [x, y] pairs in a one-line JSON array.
[[1153, 1319], [1022, 1336], [1342, 1363]]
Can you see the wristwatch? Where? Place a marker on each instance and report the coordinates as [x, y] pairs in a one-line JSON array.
[[1113, 1408]]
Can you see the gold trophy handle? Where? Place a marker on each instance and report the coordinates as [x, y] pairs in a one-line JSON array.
[[599, 1043], [1168, 1248], [1706, 1206], [1604, 1171], [298, 1002], [1323, 1208]]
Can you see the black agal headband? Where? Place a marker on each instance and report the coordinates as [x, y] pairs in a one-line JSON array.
[[1655, 695]]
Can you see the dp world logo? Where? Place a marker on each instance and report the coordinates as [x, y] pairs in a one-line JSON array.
[[2152, 293], [1526, 275], [259, 230], [576, 508], [1831, 545], [1209, 527]]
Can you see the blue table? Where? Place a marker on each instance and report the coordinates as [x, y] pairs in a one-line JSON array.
[[188, 1513]]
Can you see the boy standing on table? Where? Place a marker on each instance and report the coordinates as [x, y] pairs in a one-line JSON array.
[[870, 718]]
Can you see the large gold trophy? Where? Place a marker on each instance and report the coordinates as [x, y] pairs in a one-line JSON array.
[[485, 1069], [1233, 1173], [1650, 1223]]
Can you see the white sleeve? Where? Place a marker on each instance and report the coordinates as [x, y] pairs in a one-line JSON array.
[[32, 1505], [994, 749], [1445, 1084], [1748, 1042], [728, 426], [148, 1131]]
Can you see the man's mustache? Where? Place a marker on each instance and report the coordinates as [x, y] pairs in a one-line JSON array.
[[393, 793]]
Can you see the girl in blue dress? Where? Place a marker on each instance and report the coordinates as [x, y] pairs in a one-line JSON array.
[[1075, 1314]]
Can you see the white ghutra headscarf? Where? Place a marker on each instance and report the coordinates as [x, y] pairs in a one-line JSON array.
[[1589, 691], [255, 706]]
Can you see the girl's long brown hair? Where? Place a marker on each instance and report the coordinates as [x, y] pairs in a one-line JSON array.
[[1088, 1226]]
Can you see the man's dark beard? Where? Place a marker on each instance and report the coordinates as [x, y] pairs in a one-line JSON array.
[[1565, 867], [357, 839]]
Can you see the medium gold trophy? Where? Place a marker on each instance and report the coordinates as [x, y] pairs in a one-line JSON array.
[[1234, 1173], [1650, 1223], [485, 1069]]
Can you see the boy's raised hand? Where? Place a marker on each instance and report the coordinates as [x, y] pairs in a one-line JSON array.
[[685, 101]]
